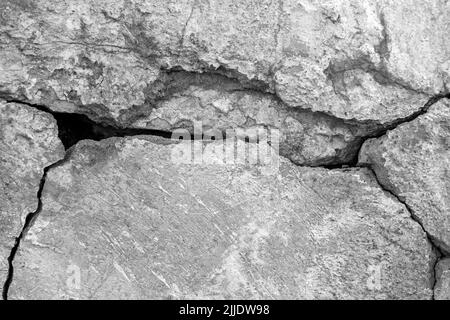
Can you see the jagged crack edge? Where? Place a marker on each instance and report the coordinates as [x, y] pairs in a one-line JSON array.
[[439, 253], [374, 130], [103, 130], [380, 133], [118, 132], [29, 220], [109, 131]]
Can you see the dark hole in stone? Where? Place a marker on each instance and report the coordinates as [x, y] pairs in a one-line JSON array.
[[75, 127]]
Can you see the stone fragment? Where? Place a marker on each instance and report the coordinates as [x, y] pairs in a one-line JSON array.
[[442, 287], [129, 218], [28, 143], [413, 161], [219, 106]]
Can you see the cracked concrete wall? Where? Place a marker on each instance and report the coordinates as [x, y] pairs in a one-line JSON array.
[[346, 85]]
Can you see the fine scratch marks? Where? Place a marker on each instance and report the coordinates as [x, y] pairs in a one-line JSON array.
[[121, 271], [84, 44], [183, 31], [161, 278], [278, 30]]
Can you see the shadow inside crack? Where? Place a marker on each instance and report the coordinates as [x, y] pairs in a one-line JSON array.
[[74, 127]]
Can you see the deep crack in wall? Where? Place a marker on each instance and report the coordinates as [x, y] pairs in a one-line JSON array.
[[73, 128], [355, 206]]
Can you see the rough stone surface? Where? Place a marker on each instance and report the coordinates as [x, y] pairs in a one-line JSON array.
[[413, 161], [122, 219], [218, 104], [28, 143], [136, 218], [368, 61], [442, 287]]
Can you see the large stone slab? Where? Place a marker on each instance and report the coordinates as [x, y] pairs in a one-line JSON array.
[[127, 218], [413, 161], [368, 61], [28, 143]]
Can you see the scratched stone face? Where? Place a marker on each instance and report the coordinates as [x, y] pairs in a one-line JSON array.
[[28, 143], [347, 100], [122, 219]]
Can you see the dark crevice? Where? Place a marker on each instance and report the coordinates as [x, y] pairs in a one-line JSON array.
[[179, 79], [435, 278], [379, 133], [31, 217], [76, 127], [73, 127], [230, 74], [234, 82], [440, 253]]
